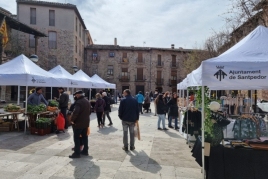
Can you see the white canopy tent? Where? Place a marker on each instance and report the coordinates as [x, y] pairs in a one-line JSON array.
[[21, 71], [84, 77], [74, 82], [244, 66], [96, 78]]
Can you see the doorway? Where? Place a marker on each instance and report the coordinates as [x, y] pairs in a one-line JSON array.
[[124, 88], [139, 88]]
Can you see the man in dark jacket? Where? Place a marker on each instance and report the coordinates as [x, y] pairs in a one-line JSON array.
[[107, 108], [63, 104], [129, 113], [80, 122]]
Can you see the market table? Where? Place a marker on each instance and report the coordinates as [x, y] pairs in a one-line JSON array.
[[14, 118]]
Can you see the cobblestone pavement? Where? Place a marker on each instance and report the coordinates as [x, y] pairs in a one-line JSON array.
[[158, 154]]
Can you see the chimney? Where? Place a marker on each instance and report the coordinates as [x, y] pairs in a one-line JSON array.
[[115, 41], [172, 46]]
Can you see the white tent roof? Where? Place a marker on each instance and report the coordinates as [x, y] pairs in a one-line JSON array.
[[244, 66], [100, 80], [59, 71], [84, 77], [22, 71]]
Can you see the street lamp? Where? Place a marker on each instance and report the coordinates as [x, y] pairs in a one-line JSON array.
[[75, 68], [34, 58]]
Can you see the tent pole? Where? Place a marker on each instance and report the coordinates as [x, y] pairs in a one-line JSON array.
[[51, 93], [26, 104], [89, 94], [18, 100], [187, 115], [203, 134]]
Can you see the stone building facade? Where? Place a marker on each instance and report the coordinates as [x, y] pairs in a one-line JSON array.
[[65, 28], [137, 68]]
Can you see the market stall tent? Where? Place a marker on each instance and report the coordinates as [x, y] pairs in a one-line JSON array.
[[83, 76], [96, 78], [74, 82]]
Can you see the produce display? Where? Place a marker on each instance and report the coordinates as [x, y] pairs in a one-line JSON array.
[[49, 108], [53, 103], [42, 123], [12, 108], [36, 109]]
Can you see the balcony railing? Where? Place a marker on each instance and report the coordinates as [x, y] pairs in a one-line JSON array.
[[159, 81], [96, 59], [174, 65], [124, 60], [160, 65], [124, 78], [172, 82], [140, 61], [142, 78]]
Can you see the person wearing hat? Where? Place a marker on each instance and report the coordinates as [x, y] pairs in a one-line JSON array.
[[63, 104], [36, 98], [80, 122]]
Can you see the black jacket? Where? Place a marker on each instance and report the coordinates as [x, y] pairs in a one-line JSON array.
[[107, 103], [161, 107], [128, 109], [63, 101], [173, 108], [81, 113]]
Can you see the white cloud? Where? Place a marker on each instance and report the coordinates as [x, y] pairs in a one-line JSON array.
[[159, 23]]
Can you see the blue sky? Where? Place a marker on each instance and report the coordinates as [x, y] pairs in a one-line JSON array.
[[159, 23]]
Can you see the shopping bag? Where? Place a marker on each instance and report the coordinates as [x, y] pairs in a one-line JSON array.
[[60, 121], [88, 131], [137, 130]]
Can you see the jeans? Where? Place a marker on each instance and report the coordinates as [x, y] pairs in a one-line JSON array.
[[170, 121], [99, 118], [83, 133], [140, 107], [161, 117], [108, 116], [128, 126], [64, 112]]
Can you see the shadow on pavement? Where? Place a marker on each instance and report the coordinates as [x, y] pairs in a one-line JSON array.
[[173, 134], [85, 168], [107, 130], [141, 160]]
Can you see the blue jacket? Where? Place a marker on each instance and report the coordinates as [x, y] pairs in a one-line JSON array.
[[140, 98], [36, 99], [128, 109]]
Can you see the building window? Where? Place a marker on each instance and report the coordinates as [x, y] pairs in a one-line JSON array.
[[80, 48], [173, 75], [80, 30], [140, 57], [76, 24], [111, 54], [159, 60], [124, 72], [31, 41], [33, 16], [51, 18], [75, 44], [110, 70], [139, 73], [52, 40], [124, 54], [173, 60]]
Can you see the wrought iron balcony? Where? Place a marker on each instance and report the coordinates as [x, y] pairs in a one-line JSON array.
[[139, 79], [172, 82], [140, 61], [124, 78], [96, 59], [160, 65], [123, 60], [174, 65], [159, 81]]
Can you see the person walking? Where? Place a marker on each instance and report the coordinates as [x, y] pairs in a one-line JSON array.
[[80, 122], [173, 112], [129, 113], [37, 97], [107, 108], [99, 108], [166, 98], [161, 111], [63, 104], [147, 102], [155, 96], [140, 99]]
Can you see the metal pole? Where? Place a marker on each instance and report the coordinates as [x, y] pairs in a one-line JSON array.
[[51, 93], [89, 94], [187, 115], [26, 103], [18, 100], [203, 134]]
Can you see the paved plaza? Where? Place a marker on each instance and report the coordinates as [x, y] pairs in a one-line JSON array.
[[158, 154]]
